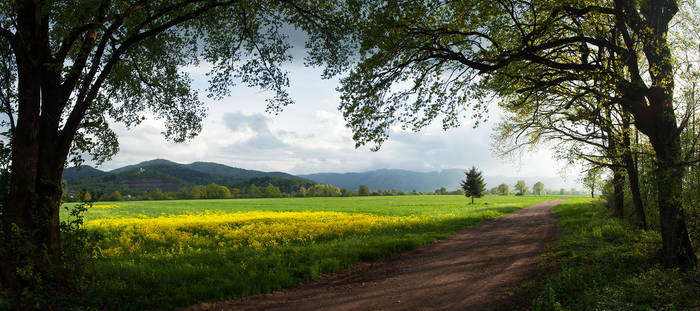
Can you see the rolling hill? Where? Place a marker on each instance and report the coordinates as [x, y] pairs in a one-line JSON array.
[[171, 176]]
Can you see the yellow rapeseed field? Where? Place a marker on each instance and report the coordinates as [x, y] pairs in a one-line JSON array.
[[175, 235]]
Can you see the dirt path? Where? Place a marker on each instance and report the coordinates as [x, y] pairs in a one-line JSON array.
[[470, 270]]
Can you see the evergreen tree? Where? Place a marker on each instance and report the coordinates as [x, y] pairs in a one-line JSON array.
[[473, 185]]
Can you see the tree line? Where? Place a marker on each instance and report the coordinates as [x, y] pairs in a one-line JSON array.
[[611, 83], [215, 191]]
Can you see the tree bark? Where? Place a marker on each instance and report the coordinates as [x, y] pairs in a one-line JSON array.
[[658, 122], [32, 207], [614, 146], [677, 249], [632, 173], [618, 192]]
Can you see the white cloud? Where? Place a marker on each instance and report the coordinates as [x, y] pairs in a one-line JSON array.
[[311, 137]]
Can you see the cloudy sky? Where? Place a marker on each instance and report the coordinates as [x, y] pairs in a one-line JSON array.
[[310, 136]]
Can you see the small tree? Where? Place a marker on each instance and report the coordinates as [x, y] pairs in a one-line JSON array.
[[521, 186], [272, 191], [156, 194], [199, 192], [116, 196], [538, 188], [364, 190], [503, 189], [473, 185], [302, 192], [254, 191], [592, 181]]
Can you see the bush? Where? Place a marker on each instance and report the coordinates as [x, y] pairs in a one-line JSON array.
[[59, 286]]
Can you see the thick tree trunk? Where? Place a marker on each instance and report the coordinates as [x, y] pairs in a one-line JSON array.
[[19, 217], [677, 250], [658, 122], [30, 223]]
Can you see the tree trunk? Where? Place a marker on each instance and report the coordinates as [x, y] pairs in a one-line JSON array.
[[631, 167], [614, 145], [618, 192], [658, 122], [677, 250], [30, 223], [633, 176]]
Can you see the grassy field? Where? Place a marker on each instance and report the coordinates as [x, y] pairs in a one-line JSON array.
[[608, 264], [160, 254]]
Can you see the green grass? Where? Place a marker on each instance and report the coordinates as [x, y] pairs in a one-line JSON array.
[[383, 205], [606, 264], [151, 278]]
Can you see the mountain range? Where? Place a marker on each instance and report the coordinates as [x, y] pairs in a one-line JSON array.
[[171, 176], [404, 180]]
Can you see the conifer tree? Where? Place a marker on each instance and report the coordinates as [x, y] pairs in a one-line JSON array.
[[473, 185]]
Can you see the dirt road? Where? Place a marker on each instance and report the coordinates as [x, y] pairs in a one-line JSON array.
[[470, 270]]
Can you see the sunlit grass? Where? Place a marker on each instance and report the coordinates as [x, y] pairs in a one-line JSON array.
[[608, 264], [162, 254]]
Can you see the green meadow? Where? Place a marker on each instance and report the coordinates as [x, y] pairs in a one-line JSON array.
[[164, 254]]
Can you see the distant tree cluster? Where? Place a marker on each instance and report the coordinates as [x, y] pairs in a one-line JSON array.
[[215, 191]]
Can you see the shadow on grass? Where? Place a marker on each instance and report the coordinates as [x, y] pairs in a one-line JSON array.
[[608, 264]]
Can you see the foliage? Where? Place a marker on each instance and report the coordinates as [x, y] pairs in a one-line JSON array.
[[323, 191], [607, 264], [521, 186], [562, 70], [538, 189], [473, 184], [272, 192], [116, 196], [364, 190], [72, 67], [503, 189], [592, 180], [75, 266], [302, 192]]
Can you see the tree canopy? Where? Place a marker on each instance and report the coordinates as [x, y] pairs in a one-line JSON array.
[[558, 63], [71, 68], [521, 186]]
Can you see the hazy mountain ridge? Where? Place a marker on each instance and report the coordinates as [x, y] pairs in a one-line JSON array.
[[405, 180], [170, 176]]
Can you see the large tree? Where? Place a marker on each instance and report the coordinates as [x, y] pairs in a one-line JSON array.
[[71, 67], [521, 186], [433, 59]]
